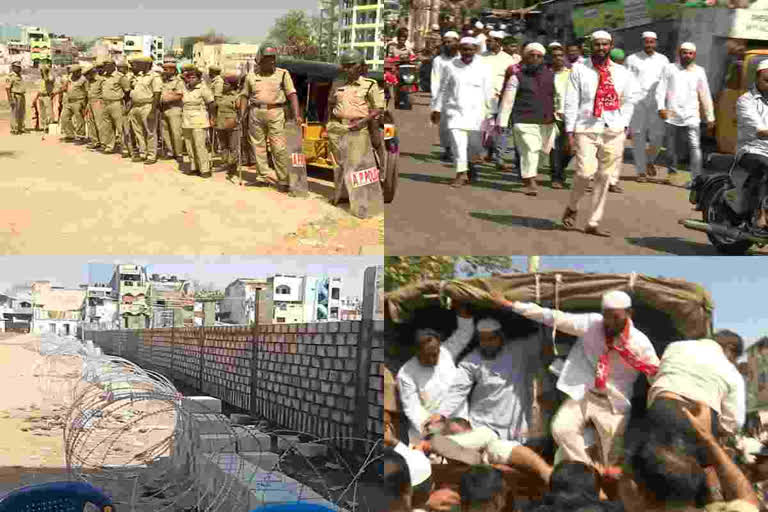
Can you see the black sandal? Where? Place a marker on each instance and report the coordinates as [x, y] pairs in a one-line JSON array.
[[569, 218]]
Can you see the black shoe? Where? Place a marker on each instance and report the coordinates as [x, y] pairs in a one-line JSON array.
[[137, 159], [283, 188], [150, 162]]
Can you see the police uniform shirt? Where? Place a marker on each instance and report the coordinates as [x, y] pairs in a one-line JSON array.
[[147, 85], [194, 111], [14, 83], [174, 84], [111, 87], [272, 89], [357, 99], [47, 85], [77, 89], [227, 107], [95, 88], [217, 86]]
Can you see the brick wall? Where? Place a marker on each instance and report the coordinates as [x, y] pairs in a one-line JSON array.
[[305, 377]]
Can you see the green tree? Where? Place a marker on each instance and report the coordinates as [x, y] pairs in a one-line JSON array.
[[323, 30], [294, 32], [402, 270]]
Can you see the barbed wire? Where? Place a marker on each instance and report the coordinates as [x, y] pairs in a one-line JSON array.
[[127, 430]]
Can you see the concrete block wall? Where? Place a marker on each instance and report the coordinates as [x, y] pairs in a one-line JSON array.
[[376, 382], [227, 364]]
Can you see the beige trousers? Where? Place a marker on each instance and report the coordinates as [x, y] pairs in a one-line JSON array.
[[530, 140], [144, 128], [194, 139], [573, 416], [485, 440], [596, 154]]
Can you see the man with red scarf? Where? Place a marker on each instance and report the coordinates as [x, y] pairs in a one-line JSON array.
[[599, 374], [598, 106]]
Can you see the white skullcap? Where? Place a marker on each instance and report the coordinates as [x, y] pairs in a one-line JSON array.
[[419, 466], [502, 27], [490, 25], [435, 27], [451, 34], [649, 35], [488, 325], [616, 299], [554, 44], [688, 46], [763, 65], [497, 34], [468, 40], [534, 47], [478, 25], [601, 34]]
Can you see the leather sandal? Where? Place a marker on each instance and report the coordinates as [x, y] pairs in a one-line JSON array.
[[569, 218]]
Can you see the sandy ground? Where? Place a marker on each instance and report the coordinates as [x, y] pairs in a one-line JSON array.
[[58, 198]]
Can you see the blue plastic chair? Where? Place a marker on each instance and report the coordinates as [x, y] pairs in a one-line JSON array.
[[55, 497], [294, 507]]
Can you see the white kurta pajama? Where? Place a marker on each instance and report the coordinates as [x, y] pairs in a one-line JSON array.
[[608, 409], [464, 97], [646, 123], [499, 389], [599, 140], [423, 388], [438, 64]]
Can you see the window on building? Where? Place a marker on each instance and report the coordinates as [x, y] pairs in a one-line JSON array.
[[334, 312], [283, 290], [345, 37], [280, 320], [335, 291]]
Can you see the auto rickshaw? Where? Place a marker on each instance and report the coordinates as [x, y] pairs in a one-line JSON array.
[[740, 77], [313, 82]]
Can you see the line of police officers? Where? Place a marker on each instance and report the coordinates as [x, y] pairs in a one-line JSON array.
[[126, 106]]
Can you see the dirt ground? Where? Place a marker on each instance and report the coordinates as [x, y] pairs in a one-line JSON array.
[[59, 198]]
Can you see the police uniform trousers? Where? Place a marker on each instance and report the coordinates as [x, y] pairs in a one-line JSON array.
[[269, 124], [194, 140], [171, 130], [144, 129], [358, 143], [229, 139], [112, 123], [19, 112], [129, 140], [46, 111], [95, 122], [72, 122]]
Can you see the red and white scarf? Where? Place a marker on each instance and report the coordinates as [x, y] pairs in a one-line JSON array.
[[622, 347], [606, 98]]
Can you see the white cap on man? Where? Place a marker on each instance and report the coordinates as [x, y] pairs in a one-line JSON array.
[[616, 299], [496, 34], [435, 27], [468, 40], [688, 46], [555, 44], [649, 35], [488, 325], [451, 34], [601, 34], [534, 47], [763, 65], [478, 25]]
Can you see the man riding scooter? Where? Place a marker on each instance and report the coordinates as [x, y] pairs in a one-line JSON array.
[[752, 149]]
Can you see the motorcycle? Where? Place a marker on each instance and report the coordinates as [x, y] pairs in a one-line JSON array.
[[727, 216], [406, 78]]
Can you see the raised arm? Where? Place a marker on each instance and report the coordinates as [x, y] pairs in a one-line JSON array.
[[569, 323], [461, 337], [734, 406]]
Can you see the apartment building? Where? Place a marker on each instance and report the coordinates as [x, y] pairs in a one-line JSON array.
[[361, 27]]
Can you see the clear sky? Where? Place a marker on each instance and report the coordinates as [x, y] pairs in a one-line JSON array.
[[169, 18], [738, 285], [71, 271]]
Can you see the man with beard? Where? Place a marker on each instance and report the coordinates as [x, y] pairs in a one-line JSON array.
[[450, 51], [646, 66], [598, 106], [683, 92], [498, 61], [465, 93], [423, 380], [529, 96], [599, 374], [574, 54]]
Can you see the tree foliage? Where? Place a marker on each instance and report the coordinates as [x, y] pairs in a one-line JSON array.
[[323, 30], [402, 270], [293, 31]]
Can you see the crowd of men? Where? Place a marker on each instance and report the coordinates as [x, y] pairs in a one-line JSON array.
[[477, 410], [525, 101], [146, 112]]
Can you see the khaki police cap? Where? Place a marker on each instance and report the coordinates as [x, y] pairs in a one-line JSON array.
[[189, 67], [214, 69], [232, 77], [169, 64], [352, 57], [268, 49], [16, 63], [87, 68], [74, 67]]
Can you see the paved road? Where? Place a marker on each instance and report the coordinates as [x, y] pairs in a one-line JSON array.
[[493, 217], [58, 198]]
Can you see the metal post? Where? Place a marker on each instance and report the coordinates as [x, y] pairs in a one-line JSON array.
[[201, 343], [254, 355], [364, 357]]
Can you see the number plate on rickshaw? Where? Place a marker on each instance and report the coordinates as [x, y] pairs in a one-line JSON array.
[[365, 177]]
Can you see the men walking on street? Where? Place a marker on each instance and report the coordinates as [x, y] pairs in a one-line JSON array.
[[598, 106], [267, 92], [145, 107], [14, 89], [498, 61], [76, 91], [465, 95], [94, 117], [683, 92], [646, 66], [112, 95], [171, 105], [560, 156], [481, 37], [449, 52], [529, 96]]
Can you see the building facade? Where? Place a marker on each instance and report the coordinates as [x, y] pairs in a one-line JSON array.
[[56, 310], [238, 306], [287, 298], [99, 308], [131, 288], [172, 301], [361, 27], [16, 313], [234, 57], [144, 44], [207, 308]]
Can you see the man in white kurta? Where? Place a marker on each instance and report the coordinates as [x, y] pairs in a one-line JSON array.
[[481, 38], [498, 62], [496, 378], [450, 51], [599, 374], [599, 102], [464, 97], [646, 66], [423, 381], [683, 92]]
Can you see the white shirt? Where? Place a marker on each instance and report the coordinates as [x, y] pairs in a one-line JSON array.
[[419, 467], [498, 64], [647, 71], [499, 389], [580, 99], [481, 39], [682, 92], [423, 389], [752, 116], [699, 371], [578, 374], [438, 63], [465, 94]]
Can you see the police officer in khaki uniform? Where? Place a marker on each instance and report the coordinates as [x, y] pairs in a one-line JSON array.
[[227, 127], [145, 107], [354, 104], [198, 109], [45, 95], [127, 82], [267, 92], [170, 105], [14, 88], [112, 95], [76, 90], [95, 110], [217, 87]]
